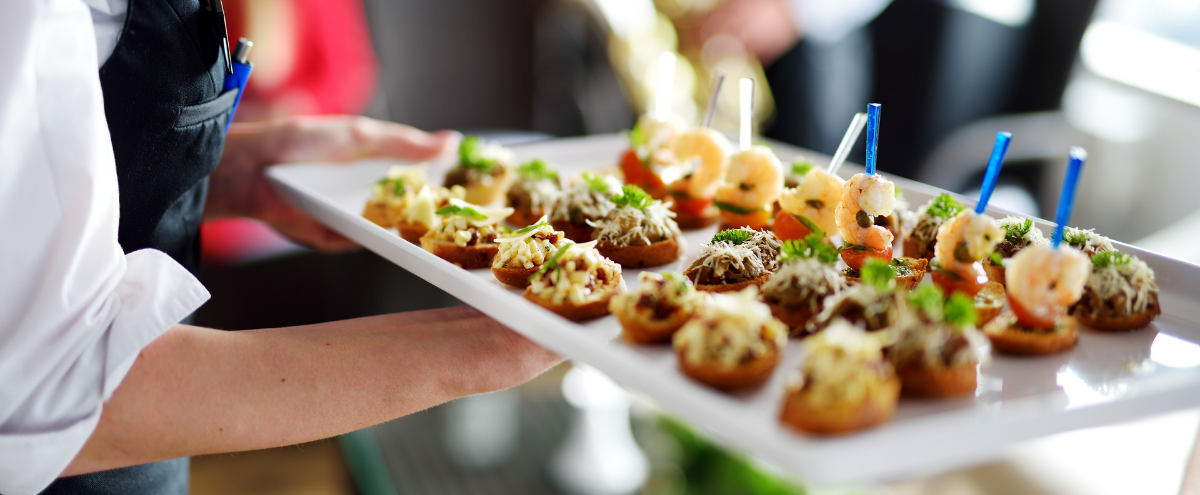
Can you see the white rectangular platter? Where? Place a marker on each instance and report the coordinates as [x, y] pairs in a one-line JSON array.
[[1108, 377]]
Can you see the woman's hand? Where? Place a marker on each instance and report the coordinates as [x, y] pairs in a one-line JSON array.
[[239, 186]]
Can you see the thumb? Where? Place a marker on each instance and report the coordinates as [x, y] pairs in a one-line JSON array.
[[390, 140]]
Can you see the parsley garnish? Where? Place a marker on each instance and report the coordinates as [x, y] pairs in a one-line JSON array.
[[960, 310], [636, 138], [801, 167], [460, 211], [1075, 237], [859, 247], [531, 228], [732, 236], [929, 299], [395, 184], [595, 182], [552, 263], [943, 206], [879, 274], [809, 247], [470, 154], [537, 169], [996, 259], [1105, 259], [1016, 231], [632, 195]]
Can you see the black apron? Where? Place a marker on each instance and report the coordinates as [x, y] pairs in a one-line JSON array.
[[166, 113]]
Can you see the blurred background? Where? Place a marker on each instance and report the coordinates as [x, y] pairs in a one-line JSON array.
[[1119, 77]]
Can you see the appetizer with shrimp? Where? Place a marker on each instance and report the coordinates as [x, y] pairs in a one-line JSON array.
[[809, 207], [937, 349], [586, 200], [522, 253], [466, 235], [533, 193], [930, 217], [909, 272], [639, 232], [577, 282], [752, 184], [650, 162], [702, 154], [734, 259], [484, 169], [1019, 233], [1120, 294], [843, 385], [962, 242], [806, 277], [1042, 282], [876, 304], [732, 342], [866, 197], [389, 194], [659, 306]]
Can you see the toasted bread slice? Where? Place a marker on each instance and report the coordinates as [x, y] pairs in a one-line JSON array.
[[656, 254], [517, 277], [640, 326], [911, 251], [583, 312], [995, 273], [916, 272], [578, 233], [795, 317], [469, 257], [1119, 324], [745, 375], [989, 302], [525, 217], [1008, 337], [762, 279], [411, 232], [836, 419], [692, 221], [928, 381], [376, 213]]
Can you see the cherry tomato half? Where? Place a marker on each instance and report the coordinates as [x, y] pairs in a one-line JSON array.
[[855, 258]]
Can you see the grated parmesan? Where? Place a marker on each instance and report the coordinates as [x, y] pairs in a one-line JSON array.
[[630, 226], [730, 329], [528, 250], [1129, 289], [581, 271], [805, 281]]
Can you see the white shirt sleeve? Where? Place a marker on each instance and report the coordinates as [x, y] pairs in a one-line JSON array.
[[828, 21], [74, 310]]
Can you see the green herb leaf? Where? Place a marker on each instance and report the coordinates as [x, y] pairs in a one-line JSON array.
[[637, 139], [1075, 237], [470, 154], [632, 195], [552, 263], [595, 182], [809, 247], [1105, 259], [929, 299], [531, 228], [811, 225], [801, 167], [394, 184], [460, 211], [732, 236], [732, 208], [960, 310], [943, 206], [1017, 231], [996, 259], [859, 247], [537, 169], [877, 273]]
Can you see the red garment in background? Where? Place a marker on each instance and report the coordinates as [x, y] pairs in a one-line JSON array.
[[334, 70]]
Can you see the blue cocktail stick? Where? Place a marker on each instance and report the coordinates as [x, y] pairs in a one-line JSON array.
[[873, 111], [1066, 198], [993, 170]]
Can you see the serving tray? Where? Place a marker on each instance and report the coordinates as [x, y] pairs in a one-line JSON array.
[[1108, 377]]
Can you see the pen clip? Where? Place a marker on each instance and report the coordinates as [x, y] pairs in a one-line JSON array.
[[222, 31]]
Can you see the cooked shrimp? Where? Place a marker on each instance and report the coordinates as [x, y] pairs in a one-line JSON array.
[[707, 150], [815, 198], [754, 179], [1045, 280], [863, 198], [966, 238]]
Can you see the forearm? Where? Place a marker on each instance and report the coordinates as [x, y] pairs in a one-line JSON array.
[[196, 391]]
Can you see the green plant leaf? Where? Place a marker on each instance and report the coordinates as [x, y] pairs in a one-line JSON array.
[[1017, 231], [470, 155], [960, 310], [928, 298], [537, 169], [632, 195], [733, 208], [878, 273], [944, 206], [809, 247], [460, 211], [1105, 259], [732, 236], [802, 167], [595, 182]]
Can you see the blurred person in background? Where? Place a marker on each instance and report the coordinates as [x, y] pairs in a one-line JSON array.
[[112, 118]]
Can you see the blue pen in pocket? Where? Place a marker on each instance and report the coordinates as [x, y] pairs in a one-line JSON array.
[[241, 74]]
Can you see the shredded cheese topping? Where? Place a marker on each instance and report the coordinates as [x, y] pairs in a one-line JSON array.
[[581, 203], [528, 250], [803, 282], [936, 345], [1123, 290], [630, 226], [731, 329], [1092, 242], [536, 195], [727, 263], [583, 275], [841, 364], [660, 296]]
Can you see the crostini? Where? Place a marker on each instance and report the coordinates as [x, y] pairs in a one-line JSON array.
[[533, 192], [909, 272], [484, 169], [523, 252], [417, 214], [1120, 294], [389, 194], [734, 259], [639, 232], [577, 282], [930, 217], [586, 200], [937, 348], [467, 234], [659, 306], [874, 304], [732, 342], [962, 243], [806, 277], [1019, 233], [1042, 282], [843, 385]]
